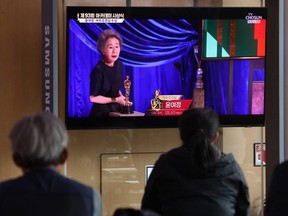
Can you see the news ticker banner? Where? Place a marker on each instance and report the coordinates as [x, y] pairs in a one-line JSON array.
[[49, 36]]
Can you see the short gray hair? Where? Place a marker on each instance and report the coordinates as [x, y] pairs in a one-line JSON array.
[[39, 139], [105, 35]]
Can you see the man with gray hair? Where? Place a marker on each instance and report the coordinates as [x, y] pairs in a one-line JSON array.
[[39, 145]]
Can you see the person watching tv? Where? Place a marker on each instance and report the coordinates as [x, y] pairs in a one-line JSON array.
[[39, 147]]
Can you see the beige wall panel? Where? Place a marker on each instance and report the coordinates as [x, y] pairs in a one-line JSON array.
[[157, 3], [239, 142], [94, 2], [87, 146], [243, 3], [123, 179], [20, 70]]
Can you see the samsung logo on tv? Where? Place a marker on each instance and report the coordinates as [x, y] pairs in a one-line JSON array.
[[47, 71]]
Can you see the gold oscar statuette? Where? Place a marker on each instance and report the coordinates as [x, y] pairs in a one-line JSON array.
[[128, 107], [156, 102]]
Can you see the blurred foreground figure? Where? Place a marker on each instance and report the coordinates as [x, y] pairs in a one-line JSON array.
[[39, 145], [277, 202], [197, 178], [133, 212]]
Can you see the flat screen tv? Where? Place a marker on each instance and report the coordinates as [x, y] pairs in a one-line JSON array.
[[177, 57]]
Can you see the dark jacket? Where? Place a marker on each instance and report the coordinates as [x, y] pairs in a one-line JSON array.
[[44, 192], [177, 187], [277, 202]]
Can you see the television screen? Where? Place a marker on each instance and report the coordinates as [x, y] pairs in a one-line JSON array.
[[161, 61]]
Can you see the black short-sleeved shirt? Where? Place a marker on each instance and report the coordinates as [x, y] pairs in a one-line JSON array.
[[106, 81]]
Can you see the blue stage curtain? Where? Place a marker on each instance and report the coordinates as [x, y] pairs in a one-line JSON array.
[[234, 76], [150, 52]]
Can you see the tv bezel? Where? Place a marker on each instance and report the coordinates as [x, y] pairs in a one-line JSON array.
[[138, 122]]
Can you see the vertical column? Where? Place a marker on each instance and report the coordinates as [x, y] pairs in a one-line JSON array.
[[128, 3], [283, 44], [272, 97], [49, 56]]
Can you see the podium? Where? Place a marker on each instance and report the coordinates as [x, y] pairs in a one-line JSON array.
[[119, 114]]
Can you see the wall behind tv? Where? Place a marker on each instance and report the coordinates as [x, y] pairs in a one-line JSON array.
[[20, 70]]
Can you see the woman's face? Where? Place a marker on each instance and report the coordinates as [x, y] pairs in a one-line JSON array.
[[111, 51]]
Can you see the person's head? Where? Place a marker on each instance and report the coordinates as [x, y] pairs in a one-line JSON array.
[[133, 212], [198, 131], [127, 212], [109, 45], [39, 140]]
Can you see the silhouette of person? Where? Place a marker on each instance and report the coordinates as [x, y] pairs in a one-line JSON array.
[[133, 212], [277, 203], [39, 145], [197, 178], [106, 78]]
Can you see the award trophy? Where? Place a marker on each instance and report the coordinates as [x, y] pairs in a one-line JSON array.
[[127, 108], [156, 102]]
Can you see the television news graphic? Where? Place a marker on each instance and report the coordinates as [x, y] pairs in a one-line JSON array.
[[211, 57]]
